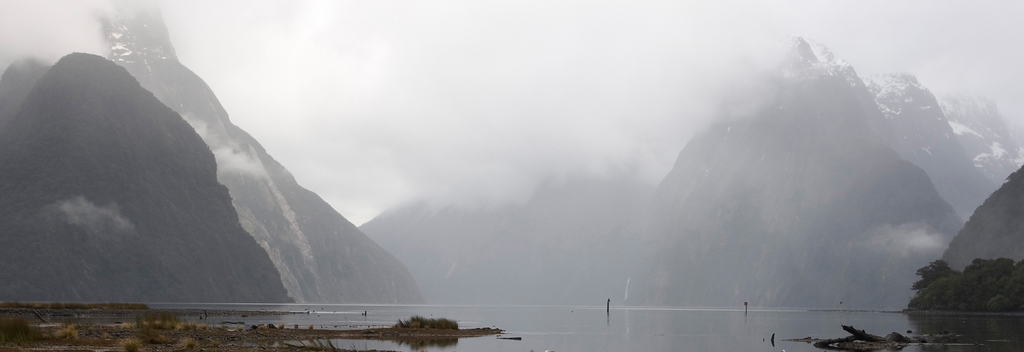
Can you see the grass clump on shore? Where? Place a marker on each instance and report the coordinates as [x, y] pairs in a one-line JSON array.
[[17, 330], [417, 321], [150, 324], [187, 343], [157, 320], [71, 305], [67, 332], [131, 345]]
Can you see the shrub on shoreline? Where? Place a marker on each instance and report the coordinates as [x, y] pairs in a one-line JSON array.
[[417, 321]]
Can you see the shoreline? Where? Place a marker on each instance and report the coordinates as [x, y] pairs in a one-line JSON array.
[[214, 336]]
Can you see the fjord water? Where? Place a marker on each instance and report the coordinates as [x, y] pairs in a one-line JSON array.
[[590, 328]]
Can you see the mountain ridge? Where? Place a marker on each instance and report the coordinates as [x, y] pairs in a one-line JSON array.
[[322, 257], [111, 196], [799, 204]]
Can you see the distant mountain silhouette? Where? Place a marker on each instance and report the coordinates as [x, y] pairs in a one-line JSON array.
[[108, 195], [321, 256], [800, 202], [575, 241]]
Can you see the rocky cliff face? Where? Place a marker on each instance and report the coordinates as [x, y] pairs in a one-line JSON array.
[[575, 241], [800, 202], [915, 126], [111, 196], [321, 256], [979, 128]]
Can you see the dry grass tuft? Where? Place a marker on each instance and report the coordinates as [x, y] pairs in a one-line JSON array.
[[18, 330], [67, 332], [158, 320], [187, 343], [131, 345]]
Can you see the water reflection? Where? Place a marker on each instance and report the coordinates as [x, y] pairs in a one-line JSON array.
[[416, 345], [990, 332]]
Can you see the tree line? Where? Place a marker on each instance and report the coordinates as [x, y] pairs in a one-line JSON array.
[[984, 285]]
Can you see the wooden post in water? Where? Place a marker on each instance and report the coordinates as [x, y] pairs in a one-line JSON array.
[[608, 307], [744, 307]]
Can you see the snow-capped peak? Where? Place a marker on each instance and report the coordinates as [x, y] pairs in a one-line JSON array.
[[136, 34], [812, 59]]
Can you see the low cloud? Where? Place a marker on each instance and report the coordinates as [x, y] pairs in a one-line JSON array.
[[50, 29], [81, 212], [231, 158], [907, 240]]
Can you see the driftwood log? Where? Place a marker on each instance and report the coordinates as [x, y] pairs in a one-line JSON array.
[[859, 340]]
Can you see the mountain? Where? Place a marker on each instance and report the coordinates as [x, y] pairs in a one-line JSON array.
[[321, 256], [915, 126], [111, 196], [979, 128], [16, 82], [575, 241], [797, 201], [995, 230]]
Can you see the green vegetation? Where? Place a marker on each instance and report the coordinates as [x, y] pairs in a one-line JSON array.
[[64, 305], [17, 330], [984, 285], [417, 321]]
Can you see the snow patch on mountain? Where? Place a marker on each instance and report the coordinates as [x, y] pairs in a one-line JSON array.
[[959, 129], [980, 129]]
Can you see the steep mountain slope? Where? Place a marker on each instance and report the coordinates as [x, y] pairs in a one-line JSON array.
[[980, 130], [111, 196], [16, 82], [321, 256], [575, 241], [917, 129], [996, 230], [797, 203]]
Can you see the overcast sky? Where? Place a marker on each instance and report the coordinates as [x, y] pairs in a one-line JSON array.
[[373, 104]]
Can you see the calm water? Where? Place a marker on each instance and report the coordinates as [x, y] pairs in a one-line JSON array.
[[577, 328]]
